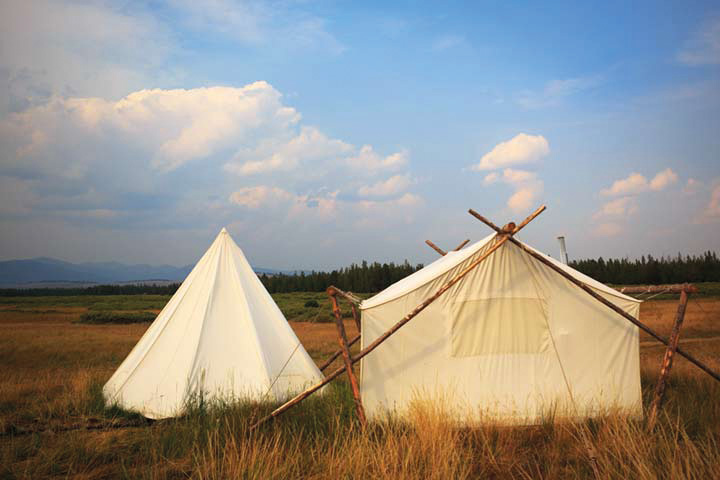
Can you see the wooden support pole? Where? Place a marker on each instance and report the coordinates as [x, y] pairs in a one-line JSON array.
[[638, 289], [347, 358], [354, 302], [443, 252], [335, 355], [436, 248], [464, 242], [500, 240], [356, 316], [347, 296], [599, 298], [667, 361]]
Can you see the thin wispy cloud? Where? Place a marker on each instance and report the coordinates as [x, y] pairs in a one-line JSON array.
[[447, 42], [68, 48], [692, 186], [260, 23], [555, 91], [703, 48]]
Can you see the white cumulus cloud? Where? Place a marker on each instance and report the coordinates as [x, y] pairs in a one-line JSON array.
[[369, 161], [663, 179], [527, 187], [155, 153], [608, 229], [310, 144], [259, 196], [391, 186], [619, 207], [521, 149], [636, 183]]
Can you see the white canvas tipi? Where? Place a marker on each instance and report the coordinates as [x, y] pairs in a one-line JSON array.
[[512, 341], [221, 336]]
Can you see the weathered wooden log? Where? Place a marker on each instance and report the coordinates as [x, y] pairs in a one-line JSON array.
[[501, 239], [346, 295], [354, 302], [599, 298], [347, 358], [436, 248], [679, 288], [667, 361], [462, 244], [356, 316]]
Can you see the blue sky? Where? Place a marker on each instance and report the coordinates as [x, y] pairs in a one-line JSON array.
[[322, 133]]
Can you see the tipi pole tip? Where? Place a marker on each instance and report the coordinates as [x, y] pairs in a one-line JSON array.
[[485, 220], [464, 242], [436, 248], [530, 217], [516, 228]]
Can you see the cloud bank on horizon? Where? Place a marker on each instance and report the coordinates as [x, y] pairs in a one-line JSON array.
[[134, 133]]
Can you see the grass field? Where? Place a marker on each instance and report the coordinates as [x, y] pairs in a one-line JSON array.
[[54, 423]]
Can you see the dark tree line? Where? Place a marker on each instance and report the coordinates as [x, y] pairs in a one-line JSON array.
[[373, 277], [364, 278], [652, 271], [94, 290]]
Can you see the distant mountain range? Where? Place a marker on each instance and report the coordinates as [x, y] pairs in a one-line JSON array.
[[49, 270]]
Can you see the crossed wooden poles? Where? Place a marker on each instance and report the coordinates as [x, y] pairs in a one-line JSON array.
[[685, 290], [504, 234]]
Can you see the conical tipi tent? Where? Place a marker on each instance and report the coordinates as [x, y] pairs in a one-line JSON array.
[[221, 336], [512, 341]]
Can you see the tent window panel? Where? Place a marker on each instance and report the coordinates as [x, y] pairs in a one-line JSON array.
[[499, 325]]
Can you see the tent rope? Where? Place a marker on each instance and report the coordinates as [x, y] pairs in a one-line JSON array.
[[281, 371], [653, 296]]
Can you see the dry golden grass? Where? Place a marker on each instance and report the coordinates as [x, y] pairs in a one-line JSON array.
[[52, 372]]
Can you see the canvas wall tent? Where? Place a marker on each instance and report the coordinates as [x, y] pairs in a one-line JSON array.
[[220, 336], [510, 341]]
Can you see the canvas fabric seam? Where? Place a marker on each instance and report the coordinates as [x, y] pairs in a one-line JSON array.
[[223, 252], [258, 350], [147, 351]]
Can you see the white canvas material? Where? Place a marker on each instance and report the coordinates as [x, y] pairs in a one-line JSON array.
[[221, 336], [512, 341]]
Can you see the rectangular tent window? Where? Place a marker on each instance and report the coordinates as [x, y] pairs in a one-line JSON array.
[[499, 326]]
